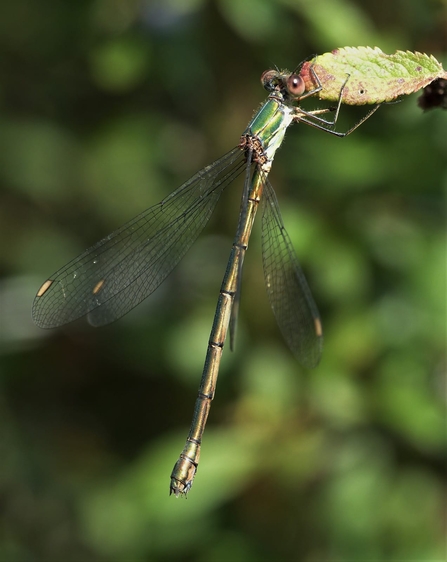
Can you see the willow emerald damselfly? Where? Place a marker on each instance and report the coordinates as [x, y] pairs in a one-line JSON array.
[[116, 274]]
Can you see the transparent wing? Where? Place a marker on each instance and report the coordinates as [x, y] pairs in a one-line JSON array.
[[117, 273], [289, 294]]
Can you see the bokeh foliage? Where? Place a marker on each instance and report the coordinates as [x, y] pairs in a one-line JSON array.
[[105, 107]]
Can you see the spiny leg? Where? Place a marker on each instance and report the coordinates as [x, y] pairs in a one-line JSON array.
[[312, 117]]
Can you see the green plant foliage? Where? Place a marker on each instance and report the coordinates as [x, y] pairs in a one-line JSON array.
[[365, 75], [106, 106]]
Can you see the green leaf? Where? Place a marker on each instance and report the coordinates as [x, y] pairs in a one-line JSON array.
[[367, 75]]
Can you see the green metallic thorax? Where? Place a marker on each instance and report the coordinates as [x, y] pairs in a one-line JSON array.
[[269, 127]]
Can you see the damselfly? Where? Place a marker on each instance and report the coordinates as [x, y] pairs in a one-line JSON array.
[[117, 273]]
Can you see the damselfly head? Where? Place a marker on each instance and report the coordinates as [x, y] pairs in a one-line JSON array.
[[283, 81]]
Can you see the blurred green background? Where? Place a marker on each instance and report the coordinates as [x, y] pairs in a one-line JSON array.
[[105, 107]]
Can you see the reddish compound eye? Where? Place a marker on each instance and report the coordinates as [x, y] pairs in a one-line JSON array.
[[267, 79], [295, 85]]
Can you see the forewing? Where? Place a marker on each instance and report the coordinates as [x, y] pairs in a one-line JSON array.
[[117, 273]]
